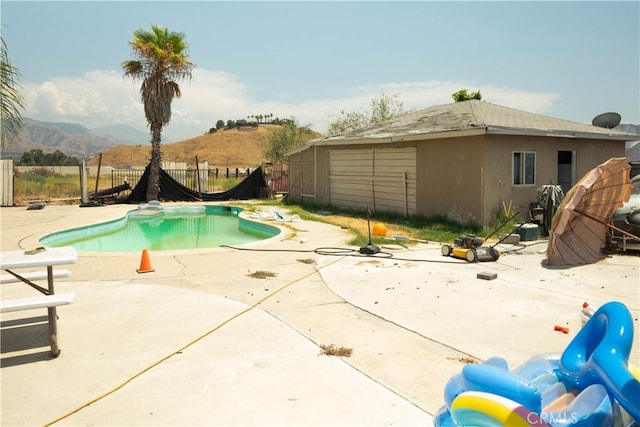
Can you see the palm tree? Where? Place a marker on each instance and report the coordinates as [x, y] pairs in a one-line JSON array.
[[161, 61], [11, 100]]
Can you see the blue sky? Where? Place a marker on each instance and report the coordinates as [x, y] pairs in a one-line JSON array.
[[311, 60]]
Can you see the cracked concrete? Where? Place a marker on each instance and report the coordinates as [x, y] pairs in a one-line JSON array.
[[200, 342]]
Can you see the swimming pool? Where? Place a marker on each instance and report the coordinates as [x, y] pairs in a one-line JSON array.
[[161, 228]]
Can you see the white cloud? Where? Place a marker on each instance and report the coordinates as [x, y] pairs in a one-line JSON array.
[[416, 96], [208, 97], [97, 98], [541, 103], [102, 98]]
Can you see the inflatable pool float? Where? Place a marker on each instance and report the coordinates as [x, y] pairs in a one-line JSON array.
[[590, 384], [152, 209]]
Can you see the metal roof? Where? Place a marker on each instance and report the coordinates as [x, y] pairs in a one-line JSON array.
[[472, 117]]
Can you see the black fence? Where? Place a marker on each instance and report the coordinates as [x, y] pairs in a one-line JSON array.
[[210, 179]]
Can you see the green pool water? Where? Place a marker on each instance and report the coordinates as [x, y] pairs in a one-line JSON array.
[[167, 228]]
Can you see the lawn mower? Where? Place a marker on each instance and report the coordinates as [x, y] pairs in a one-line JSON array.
[[470, 247]]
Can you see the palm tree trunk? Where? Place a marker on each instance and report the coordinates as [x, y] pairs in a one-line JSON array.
[[153, 187]]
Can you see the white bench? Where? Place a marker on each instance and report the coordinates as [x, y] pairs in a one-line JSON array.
[[44, 301], [49, 258], [34, 275]]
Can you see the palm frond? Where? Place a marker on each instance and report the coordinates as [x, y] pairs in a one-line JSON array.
[[11, 99]]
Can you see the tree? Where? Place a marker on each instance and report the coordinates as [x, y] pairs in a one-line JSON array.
[[220, 124], [11, 100], [27, 158], [161, 60], [37, 157], [463, 95], [383, 108], [285, 138]]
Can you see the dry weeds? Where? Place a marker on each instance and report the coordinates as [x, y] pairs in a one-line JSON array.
[[261, 274], [466, 359], [333, 350]]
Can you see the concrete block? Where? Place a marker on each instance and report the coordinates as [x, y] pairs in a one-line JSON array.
[[487, 275], [509, 239]]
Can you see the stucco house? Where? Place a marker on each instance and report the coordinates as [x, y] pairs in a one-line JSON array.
[[462, 160]]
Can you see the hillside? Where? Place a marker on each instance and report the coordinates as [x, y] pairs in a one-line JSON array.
[[71, 139], [233, 148]]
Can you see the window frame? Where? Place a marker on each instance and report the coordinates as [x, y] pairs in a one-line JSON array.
[[522, 168]]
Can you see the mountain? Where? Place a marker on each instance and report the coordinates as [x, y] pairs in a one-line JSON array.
[[124, 133], [70, 138], [122, 146]]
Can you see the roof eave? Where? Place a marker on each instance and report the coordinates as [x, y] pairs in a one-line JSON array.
[[500, 130], [332, 141], [388, 139], [489, 130]]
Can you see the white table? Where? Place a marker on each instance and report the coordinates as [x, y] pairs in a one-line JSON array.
[[14, 260]]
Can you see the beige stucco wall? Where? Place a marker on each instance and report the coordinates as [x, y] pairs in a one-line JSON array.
[[450, 178], [467, 178], [498, 186]]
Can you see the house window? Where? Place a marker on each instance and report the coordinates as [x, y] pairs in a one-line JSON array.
[[524, 168]]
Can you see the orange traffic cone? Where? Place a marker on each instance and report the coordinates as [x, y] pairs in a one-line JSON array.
[[145, 264]]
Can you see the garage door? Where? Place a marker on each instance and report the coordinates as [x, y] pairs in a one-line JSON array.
[[381, 180]]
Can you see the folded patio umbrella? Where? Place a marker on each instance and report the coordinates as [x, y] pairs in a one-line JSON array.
[[579, 227]]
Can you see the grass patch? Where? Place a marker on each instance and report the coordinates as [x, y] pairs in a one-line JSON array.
[[333, 350], [434, 229], [222, 183], [261, 274], [44, 184]]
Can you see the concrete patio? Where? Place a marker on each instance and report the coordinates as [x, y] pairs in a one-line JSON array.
[[200, 342]]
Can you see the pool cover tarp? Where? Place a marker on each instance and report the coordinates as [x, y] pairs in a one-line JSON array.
[[252, 187]]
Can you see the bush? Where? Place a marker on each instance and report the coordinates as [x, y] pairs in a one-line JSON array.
[[37, 175], [32, 177]]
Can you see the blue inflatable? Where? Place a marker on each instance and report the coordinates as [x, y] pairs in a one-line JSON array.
[[589, 384]]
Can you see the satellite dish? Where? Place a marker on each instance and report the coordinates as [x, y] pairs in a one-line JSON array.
[[606, 120]]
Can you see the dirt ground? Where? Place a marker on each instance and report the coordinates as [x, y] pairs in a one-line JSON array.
[[360, 224]]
